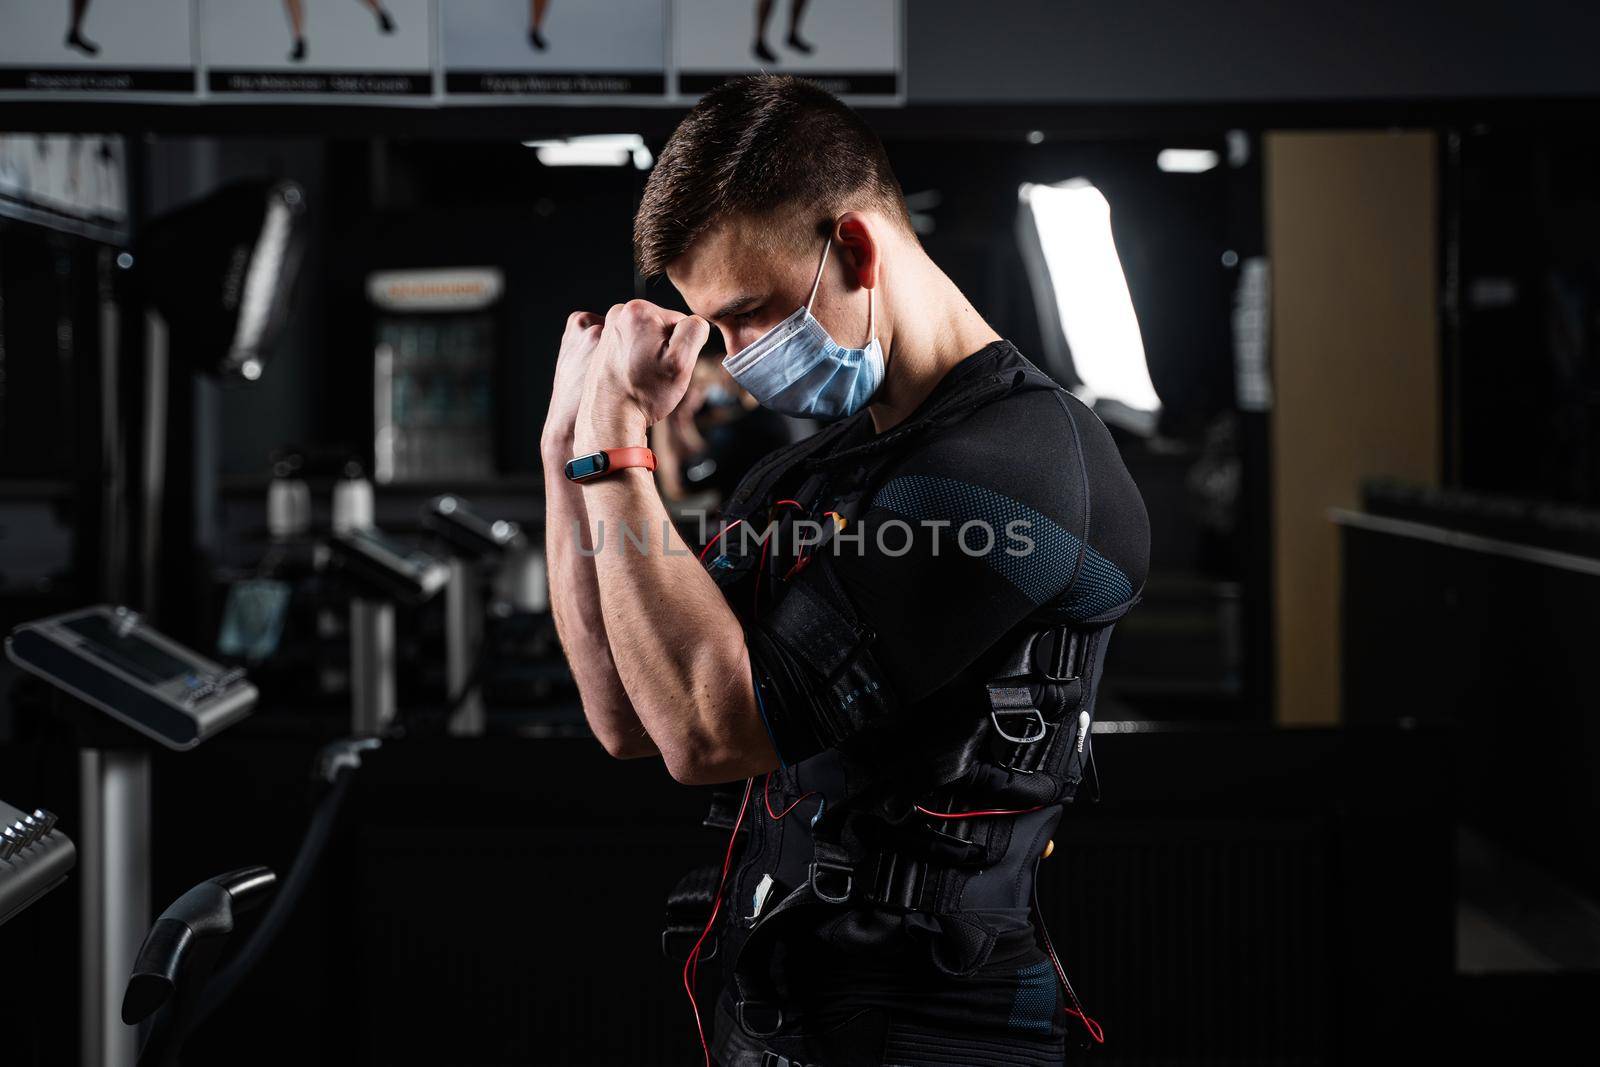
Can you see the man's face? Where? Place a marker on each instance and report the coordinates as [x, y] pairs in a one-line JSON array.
[[744, 279]]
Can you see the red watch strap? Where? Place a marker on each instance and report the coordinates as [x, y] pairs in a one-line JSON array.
[[637, 456]]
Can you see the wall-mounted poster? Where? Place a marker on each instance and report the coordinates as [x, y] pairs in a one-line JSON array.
[[854, 48], [555, 48], [340, 48], [96, 46]]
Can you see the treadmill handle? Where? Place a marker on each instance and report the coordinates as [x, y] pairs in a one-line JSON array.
[[194, 925]]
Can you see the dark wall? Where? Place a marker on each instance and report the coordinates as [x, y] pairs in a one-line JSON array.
[[1258, 50], [1528, 363]]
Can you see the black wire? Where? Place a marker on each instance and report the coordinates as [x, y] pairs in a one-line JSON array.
[[318, 833]]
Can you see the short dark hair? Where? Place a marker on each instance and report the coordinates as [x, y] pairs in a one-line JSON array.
[[755, 145]]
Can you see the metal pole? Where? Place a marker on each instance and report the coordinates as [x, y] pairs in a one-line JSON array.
[[154, 476], [114, 872], [463, 633], [113, 475], [372, 699]]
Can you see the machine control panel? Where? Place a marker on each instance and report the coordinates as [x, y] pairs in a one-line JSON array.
[[111, 659]]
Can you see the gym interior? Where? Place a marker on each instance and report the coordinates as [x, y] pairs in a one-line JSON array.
[[277, 338]]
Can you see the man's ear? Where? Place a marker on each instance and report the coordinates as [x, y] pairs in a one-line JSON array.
[[856, 237]]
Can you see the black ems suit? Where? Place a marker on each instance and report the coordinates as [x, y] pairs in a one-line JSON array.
[[935, 655]]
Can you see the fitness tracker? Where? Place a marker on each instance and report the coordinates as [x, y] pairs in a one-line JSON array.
[[595, 464]]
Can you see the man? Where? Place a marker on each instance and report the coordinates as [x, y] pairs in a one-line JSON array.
[[893, 641]]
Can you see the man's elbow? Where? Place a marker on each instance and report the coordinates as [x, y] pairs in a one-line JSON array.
[[624, 746], [687, 761], [705, 764], [692, 772]]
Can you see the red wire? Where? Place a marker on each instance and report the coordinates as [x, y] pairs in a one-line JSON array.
[[766, 798], [755, 598], [717, 538], [800, 564], [691, 965], [975, 814], [1094, 1028]]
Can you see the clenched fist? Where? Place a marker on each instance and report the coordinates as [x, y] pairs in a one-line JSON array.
[[578, 343], [640, 370]]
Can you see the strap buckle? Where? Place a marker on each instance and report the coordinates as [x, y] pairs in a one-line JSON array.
[[1057, 654], [1032, 719], [753, 1026], [674, 939], [819, 868], [772, 1059]]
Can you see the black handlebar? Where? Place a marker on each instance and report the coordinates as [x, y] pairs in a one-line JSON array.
[[182, 949]]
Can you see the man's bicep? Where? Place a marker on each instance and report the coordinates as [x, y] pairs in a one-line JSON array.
[[871, 626], [814, 663], [940, 585]]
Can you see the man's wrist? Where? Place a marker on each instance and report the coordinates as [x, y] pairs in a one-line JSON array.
[[614, 428], [556, 447]]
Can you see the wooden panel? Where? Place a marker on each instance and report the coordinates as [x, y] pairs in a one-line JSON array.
[[1352, 232]]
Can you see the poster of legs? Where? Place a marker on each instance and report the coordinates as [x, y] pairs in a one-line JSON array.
[[102, 47], [854, 48], [591, 49], [359, 48]]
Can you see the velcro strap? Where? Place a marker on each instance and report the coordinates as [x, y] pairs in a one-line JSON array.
[[724, 809], [817, 632], [1011, 698], [688, 908], [909, 877]]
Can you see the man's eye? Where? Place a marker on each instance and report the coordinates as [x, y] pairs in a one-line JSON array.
[[746, 316]]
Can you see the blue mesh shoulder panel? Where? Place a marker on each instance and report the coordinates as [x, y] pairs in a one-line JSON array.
[[1040, 574]]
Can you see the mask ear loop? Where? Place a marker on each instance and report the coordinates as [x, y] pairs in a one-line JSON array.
[[872, 304], [820, 267], [872, 315]]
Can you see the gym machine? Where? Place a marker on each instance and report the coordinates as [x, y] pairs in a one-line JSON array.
[[35, 857], [175, 983], [145, 687], [474, 544], [382, 572]]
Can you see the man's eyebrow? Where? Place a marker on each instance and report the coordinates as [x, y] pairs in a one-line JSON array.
[[737, 304]]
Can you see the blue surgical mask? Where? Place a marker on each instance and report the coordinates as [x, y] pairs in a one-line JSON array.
[[798, 369]]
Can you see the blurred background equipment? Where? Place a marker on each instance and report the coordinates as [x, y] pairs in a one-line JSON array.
[[475, 546], [435, 373], [221, 272], [121, 684], [36, 857]]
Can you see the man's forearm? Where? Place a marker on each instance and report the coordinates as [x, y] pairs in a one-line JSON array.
[[575, 602], [681, 652]]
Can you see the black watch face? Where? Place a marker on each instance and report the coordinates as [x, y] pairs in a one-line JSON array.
[[586, 466]]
